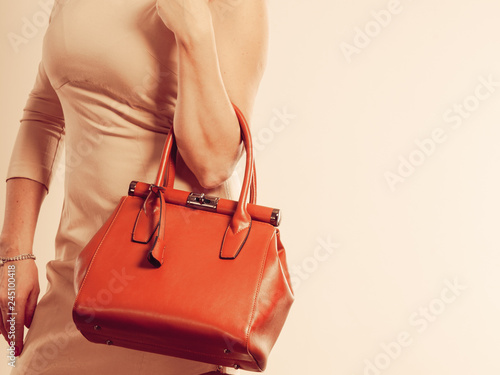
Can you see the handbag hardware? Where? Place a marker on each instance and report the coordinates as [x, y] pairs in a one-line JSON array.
[[224, 206], [202, 201], [275, 217]]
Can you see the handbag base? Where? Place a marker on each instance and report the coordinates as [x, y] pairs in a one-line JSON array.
[[207, 354]]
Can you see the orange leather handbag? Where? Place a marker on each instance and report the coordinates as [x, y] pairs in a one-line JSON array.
[[187, 275]]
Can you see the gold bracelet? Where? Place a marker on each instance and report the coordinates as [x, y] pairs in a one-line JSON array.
[[17, 257]]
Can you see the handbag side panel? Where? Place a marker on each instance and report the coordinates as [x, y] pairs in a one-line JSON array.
[[274, 300], [86, 255]]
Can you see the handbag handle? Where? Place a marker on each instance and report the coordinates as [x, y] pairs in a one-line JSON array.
[[240, 224], [167, 164]]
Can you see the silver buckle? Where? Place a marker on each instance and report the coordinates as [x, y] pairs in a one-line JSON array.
[[202, 201]]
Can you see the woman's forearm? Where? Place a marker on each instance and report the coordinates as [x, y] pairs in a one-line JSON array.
[[206, 128], [221, 59], [23, 201]]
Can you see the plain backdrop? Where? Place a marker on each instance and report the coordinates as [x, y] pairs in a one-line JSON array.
[[377, 132]]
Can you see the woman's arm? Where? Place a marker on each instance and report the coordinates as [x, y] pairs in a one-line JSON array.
[[23, 202], [222, 52]]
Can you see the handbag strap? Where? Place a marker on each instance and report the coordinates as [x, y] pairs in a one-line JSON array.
[[240, 224], [166, 171], [239, 227]]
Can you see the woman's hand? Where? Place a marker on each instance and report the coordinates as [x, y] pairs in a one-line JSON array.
[[23, 201], [19, 290], [185, 18]]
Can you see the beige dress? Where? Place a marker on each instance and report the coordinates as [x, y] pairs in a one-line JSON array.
[[106, 89]]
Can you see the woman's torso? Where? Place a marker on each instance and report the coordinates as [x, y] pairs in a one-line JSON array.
[[113, 66]]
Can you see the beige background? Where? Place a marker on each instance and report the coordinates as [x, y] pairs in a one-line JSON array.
[[382, 300]]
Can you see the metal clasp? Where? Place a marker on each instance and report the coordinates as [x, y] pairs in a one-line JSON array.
[[202, 201], [276, 217]]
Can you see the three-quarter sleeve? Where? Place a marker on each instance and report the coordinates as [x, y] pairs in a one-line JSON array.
[[40, 137]]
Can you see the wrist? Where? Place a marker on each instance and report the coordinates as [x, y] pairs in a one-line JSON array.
[[17, 258], [11, 246]]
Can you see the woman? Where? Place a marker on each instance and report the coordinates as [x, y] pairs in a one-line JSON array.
[[111, 77]]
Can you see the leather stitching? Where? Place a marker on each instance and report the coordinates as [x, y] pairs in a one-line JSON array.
[[134, 238], [240, 246]]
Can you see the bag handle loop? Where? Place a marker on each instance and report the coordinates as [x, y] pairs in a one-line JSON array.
[[241, 222], [167, 163]]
